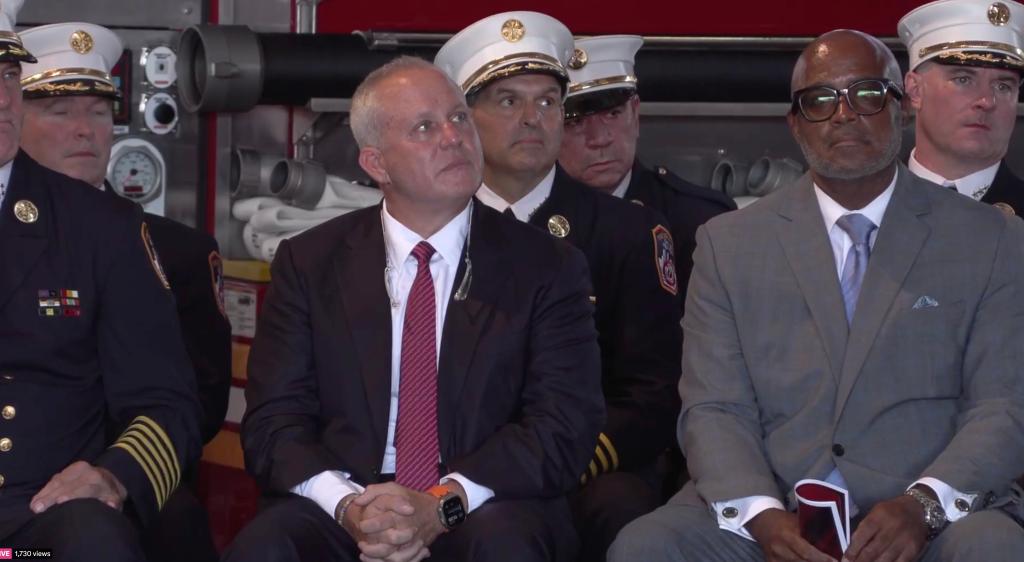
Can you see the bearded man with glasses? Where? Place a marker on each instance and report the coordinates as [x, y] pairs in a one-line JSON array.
[[895, 377]]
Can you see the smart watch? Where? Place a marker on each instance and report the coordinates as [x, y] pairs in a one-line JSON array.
[[449, 507]]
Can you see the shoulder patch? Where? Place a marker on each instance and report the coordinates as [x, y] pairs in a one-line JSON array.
[[154, 259], [217, 280], [664, 259]]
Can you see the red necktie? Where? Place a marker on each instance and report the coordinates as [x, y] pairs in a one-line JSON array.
[[416, 447]]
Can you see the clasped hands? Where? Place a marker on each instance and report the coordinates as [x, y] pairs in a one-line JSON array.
[[392, 523]]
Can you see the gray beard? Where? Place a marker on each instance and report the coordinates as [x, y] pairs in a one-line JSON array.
[[827, 169]]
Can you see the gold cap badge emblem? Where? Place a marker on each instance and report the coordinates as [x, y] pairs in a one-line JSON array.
[[512, 30], [26, 211], [558, 226], [81, 42], [1005, 208], [578, 59], [998, 13]]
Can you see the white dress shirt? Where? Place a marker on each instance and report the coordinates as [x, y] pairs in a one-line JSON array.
[[749, 507], [329, 487], [525, 207], [620, 190], [5, 179], [973, 185]]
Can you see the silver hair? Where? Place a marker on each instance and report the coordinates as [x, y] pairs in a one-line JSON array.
[[366, 116]]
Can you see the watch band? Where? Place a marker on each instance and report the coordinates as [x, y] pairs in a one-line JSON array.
[[339, 512], [934, 514]]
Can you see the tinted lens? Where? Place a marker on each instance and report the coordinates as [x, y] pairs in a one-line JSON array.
[[867, 97], [817, 104]]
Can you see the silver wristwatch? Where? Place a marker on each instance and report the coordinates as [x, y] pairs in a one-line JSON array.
[[934, 515]]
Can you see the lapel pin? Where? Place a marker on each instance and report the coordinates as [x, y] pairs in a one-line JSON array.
[[558, 226]]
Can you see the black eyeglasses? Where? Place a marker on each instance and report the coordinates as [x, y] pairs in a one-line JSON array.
[[865, 97]]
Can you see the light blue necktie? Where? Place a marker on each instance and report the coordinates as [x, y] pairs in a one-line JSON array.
[[859, 228]]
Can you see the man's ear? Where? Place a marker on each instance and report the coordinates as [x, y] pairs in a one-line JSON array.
[[913, 83], [371, 160]]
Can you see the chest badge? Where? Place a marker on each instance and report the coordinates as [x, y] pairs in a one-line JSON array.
[[558, 226]]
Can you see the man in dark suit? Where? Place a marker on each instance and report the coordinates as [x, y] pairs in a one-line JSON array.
[[859, 327], [964, 85], [423, 366], [516, 93], [68, 127], [602, 126], [88, 342]]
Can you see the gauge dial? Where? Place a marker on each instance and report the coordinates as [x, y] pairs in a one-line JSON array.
[[135, 174]]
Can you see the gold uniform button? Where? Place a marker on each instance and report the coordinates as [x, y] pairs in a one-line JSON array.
[[8, 412], [1, 480], [6, 444]]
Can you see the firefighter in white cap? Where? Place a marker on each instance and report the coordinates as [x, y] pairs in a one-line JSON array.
[[966, 61], [512, 69], [69, 97], [89, 343]]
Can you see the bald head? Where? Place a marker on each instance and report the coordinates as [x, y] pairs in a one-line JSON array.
[[840, 50]]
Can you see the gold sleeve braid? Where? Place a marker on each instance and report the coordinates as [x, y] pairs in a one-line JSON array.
[[150, 446], [606, 459]]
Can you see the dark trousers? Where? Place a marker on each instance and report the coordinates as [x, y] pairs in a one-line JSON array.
[[295, 529], [181, 531], [83, 530], [607, 504]]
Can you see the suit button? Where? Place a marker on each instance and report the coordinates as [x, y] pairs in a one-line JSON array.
[[838, 450], [5, 445], [8, 412], [730, 512]]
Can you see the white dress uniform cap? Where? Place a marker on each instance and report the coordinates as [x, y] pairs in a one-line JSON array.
[[601, 74], [966, 32], [11, 48], [504, 45], [75, 59]]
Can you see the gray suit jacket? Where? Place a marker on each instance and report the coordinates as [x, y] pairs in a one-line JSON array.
[[776, 388]]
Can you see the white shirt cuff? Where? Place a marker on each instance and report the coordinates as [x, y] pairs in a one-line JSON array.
[[327, 489], [955, 503], [476, 494], [733, 515]]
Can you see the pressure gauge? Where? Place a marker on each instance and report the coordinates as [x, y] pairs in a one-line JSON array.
[[160, 112], [160, 66], [136, 171]]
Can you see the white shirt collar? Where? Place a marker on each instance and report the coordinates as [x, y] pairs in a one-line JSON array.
[[831, 210], [524, 208], [447, 242], [620, 191], [970, 185], [5, 179]]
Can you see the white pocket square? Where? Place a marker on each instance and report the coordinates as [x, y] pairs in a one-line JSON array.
[[926, 302]]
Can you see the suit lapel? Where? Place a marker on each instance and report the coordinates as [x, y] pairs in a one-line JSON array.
[[21, 243], [900, 239], [364, 303], [466, 320], [806, 246]]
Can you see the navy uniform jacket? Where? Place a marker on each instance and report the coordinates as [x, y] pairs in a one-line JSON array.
[[519, 402], [686, 206], [1007, 189], [194, 270], [637, 317], [88, 337]]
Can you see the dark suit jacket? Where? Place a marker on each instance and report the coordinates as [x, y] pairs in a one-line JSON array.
[[113, 352], [637, 318], [519, 401], [685, 205], [1006, 188]]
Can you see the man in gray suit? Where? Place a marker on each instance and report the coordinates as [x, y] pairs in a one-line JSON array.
[[897, 376]]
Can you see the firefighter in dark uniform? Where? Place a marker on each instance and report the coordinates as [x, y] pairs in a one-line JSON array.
[[602, 125], [69, 127], [964, 85], [511, 67], [88, 340]]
